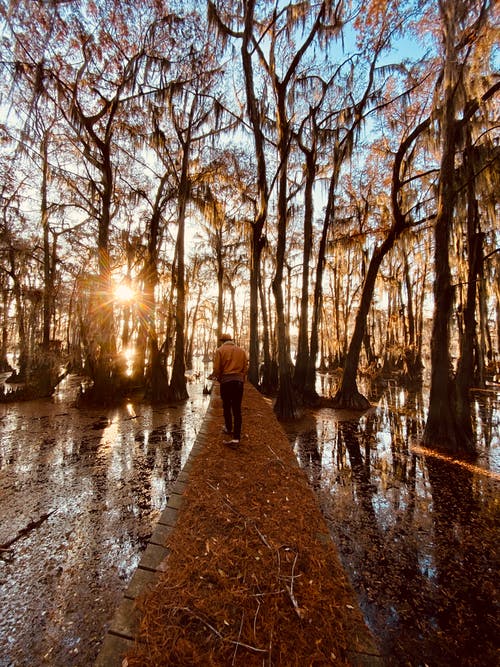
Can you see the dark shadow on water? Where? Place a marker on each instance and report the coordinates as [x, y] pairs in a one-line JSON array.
[[418, 534], [466, 559], [308, 454]]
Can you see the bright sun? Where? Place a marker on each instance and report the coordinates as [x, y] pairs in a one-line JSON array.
[[124, 293]]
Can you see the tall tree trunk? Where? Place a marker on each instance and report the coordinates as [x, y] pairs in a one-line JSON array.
[[178, 380], [465, 366], [317, 308], [257, 240], [234, 314], [192, 328], [413, 360], [21, 329], [484, 332], [47, 269], [302, 364], [348, 395], [310, 382], [286, 400], [257, 244], [268, 381], [157, 385], [421, 313], [442, 429], [105, 370], [46, 367], [409, 297], [4, 364], [220, 285]]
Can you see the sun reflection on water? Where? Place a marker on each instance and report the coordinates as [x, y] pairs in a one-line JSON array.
[[477, 470]]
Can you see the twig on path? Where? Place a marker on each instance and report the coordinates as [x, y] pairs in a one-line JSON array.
[[289, 588], [270, 647], [220, 635], [248, 646], [239, 635], [262, 537], [202, 620], [242, 516], [276, 456], [255, 618]]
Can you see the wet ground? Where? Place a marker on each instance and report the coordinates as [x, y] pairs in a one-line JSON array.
[[417, 533], [80, 491]]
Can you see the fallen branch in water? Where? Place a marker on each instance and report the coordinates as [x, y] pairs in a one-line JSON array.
[[24, 531]]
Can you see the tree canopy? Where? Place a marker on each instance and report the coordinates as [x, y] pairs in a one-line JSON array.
[[320, 178]]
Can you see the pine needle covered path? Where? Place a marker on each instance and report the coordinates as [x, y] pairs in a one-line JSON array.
[[246, 573]]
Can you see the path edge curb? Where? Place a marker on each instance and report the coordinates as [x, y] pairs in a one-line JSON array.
[[120, 636]]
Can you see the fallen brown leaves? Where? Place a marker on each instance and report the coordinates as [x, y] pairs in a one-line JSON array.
[[253, 577]]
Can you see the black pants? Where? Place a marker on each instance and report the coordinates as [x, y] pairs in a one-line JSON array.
[[232, 395]]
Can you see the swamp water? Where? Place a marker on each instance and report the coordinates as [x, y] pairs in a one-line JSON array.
[[417, 532], [80, 492], [81, 489]]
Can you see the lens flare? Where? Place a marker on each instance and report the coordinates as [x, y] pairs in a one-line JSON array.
[[124, 293]]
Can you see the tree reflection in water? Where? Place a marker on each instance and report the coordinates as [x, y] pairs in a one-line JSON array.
[[418, 534], [81, 491]]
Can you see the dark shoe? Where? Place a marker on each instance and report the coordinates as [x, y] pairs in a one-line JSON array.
[[232, 443]]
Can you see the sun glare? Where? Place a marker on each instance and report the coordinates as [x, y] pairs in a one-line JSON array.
[[129, 354], [124, 293]]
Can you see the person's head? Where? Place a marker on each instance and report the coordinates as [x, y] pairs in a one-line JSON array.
[[225, 337]]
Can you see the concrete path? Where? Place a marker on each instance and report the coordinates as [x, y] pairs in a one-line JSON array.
[[123, 629]]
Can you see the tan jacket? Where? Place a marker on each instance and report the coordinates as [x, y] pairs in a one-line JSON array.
[[230, 363]]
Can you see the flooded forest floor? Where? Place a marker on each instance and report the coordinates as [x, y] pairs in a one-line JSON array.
[[81, 490], [417, 532]]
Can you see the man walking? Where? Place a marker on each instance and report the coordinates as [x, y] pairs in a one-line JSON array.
[[230, 369]]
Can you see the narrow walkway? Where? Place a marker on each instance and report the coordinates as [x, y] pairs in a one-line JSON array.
[[240, 569]]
